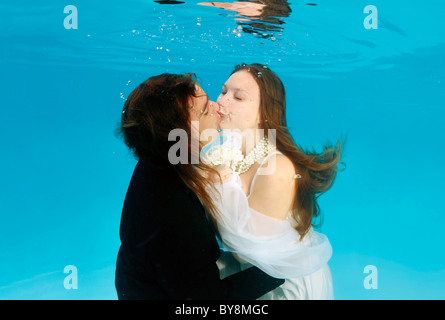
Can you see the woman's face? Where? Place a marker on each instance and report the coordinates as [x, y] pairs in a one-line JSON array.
[[239, 102], [204, 111]]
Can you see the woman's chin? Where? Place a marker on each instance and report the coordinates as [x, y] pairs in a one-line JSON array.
[[225, 125]]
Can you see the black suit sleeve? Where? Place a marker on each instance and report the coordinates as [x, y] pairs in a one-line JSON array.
[[187, 252]]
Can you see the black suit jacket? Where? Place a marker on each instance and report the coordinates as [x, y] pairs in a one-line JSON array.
[[168, 246]]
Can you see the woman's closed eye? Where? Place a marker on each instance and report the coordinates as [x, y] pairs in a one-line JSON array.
[[236, 96]]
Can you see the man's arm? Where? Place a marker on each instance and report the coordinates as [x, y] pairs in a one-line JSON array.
[[185, 255]]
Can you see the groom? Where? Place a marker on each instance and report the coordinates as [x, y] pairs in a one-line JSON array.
[[168, 245]]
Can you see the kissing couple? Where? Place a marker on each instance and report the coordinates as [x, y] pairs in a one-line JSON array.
[[226, 226]]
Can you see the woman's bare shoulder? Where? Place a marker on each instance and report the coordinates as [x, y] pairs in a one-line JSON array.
[[274, 189]]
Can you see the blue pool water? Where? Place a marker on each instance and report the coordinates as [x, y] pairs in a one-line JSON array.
[[64, 173]]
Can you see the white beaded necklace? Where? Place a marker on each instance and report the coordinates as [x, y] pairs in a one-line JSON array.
[[261, 150]]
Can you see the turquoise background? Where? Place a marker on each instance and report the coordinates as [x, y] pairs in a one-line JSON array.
[[64, 173]]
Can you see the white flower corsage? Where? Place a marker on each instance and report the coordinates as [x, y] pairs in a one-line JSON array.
[[219, 155], [225, 150]]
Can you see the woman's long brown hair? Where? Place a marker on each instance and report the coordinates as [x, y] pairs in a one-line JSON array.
[[152, 110], [317, 170]]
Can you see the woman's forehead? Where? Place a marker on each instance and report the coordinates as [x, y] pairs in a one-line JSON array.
[[242, 81]]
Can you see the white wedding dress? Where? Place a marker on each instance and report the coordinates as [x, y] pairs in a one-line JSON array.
[[272, 245]]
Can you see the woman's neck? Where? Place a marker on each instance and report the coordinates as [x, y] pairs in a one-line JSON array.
[[250, 140]]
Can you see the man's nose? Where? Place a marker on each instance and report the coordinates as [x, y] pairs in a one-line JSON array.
[[213, 106]]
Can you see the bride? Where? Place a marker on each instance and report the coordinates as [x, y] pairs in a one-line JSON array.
[[267, 202]]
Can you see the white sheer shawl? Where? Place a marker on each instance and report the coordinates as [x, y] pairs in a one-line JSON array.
[[270, 244]]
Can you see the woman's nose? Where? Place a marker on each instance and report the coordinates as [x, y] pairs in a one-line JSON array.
[[222, 101]]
